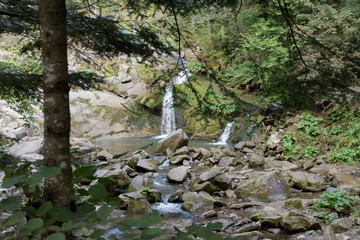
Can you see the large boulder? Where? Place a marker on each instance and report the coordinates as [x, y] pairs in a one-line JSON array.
[[307, 181], [346, 181], [196, 202], [27, 146], [178, 174], [173, 141], [264, 186], [295, 222], [147, 165]]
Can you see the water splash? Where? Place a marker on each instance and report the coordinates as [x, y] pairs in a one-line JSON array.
[[225, 135]]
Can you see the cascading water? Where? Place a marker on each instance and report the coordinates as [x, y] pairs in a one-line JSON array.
[[225, 135], [168, 124]]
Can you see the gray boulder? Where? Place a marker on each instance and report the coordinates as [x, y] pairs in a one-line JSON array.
[[147, 165], [307, 181], [179, 159], [174, 141], [178, 174], [197, 202], [27, 146]]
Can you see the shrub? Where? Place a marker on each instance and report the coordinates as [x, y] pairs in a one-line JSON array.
[[288, 142], [310, 152], [337, 200], [310, 124], [345, 155]]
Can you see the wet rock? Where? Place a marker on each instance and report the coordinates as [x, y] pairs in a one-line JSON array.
[[129, 171], [210, 214], [169, 153], [209, 175], [170, 214], [179, 159], [138, 206], [340, 225], [271, 221], [222, 182], [176, 197], [307, 181], [243, 205], [195, 202], [346, 181], [147, 165], [254, 235], [205, 186], [152, 195], [228, 161], [256, 160], [283, 165], [138, 183], [295, 222], [202, 153], [249, 227], [178, 174], [293, 203], [264, 186], [240, 145], [182, 151], [173, 141]]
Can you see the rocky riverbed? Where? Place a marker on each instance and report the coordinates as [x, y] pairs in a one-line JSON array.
[[249, 188]]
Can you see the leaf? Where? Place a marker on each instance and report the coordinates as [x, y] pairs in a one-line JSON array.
[[34, 224], [35, 179], [105, 181], [82, 192], [84, 171], [98, 192], [12, 181], [181, 235], [14, 219], [103, 212], [85, 208], [214, 226], [48, 172], [151, 233], [43, 209], [11, 203], [56, 236], [61, 214], [120, 155], [97, 234]]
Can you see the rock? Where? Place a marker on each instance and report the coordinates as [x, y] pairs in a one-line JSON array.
[[346, 181], [205, 186], [307, 181], [174, 141], [273, 221], [294, 223], [170, 214], [182, 151], [264, 186], [249, 227], [120, 181], [195, 202], [228, 161], [210, 214], [293, 203], [256, 160], [202, 154], [209, 175], [138, 206], [222, 182], [178, 174], [283, 165], [152, 195], [179, 159], [240, 145], [250, 144], [243, 205], [340, 225], [104, 155], [308, 164], [27, 146], [20, 132], [273, 140], [147, 165], [129, 171], [138, 183], [176, 197], [169, 153], [254, 235]]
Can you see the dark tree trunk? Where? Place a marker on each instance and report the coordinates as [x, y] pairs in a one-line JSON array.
[[56, 100]]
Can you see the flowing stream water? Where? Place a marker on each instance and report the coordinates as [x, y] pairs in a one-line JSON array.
[[225, 135]]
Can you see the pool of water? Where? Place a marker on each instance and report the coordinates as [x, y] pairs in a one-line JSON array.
[[121, 145]]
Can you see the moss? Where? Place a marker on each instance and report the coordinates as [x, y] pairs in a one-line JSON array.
[[293, 203]]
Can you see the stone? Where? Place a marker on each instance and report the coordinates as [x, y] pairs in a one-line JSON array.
[[20, 132], [176, 197], [256, 160], [170, 214], [209, 175], [250, 144], [228, 161], [169, 153], [230, 193], [340, 225], [182, 151], [307, 181], [293, 203], [138, 183], [178, 174], [104, 155], [308, 164], [240, 145], [254, 235], [209, 214], [243, 205], [202, 154], [152, 195], [249, 227], [283, 165], [294, 223], [273, 221], [27, 146], [174, 141], [264, 186], [179, 159], [138, 206], [274, 139], [197, 202], [205, 186], [222, 182], [346, 181], [147, 165]]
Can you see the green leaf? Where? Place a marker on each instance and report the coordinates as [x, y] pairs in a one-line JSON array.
[[97, 234], [120, 155], [34, 224], [48, 172], [56, 236], [35, 179], [98, 192], [151, 233], [82, 192], [14, 219], [181, 235], [85, 171], [105, 181], [43, 209], [61, 214], [85, 208], [11, 203], [103, 212], [12, 181]]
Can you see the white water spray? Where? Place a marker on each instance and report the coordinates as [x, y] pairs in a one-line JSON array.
[[225, 135]]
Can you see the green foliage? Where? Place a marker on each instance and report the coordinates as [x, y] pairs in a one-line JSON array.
[[345, 155], [195, 67], [288, 142], [328, 218], [310, 125], [338, 200], [310, 152]]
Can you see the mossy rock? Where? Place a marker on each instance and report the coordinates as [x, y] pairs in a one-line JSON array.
[[293, 203], [138, 206]]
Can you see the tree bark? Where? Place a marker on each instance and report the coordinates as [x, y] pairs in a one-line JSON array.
[[56, 100]]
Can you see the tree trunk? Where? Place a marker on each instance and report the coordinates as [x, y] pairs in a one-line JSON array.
[[56, 100]]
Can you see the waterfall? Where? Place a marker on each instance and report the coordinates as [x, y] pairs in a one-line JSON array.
[[225, 135], [168, 124]]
